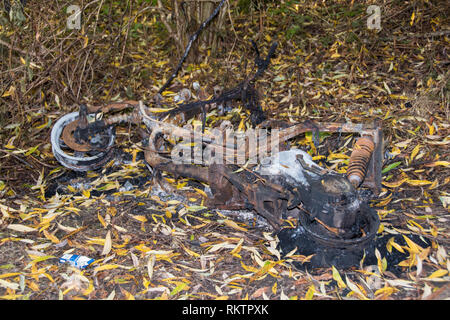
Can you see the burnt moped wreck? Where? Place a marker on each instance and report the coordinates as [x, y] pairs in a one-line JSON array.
[[335, 224]]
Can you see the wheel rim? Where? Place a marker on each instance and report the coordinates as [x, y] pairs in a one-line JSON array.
[[78, 161]]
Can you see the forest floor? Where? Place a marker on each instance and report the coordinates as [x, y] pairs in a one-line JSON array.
[[150, 244]]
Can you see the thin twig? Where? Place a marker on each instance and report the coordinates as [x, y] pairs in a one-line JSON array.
[[192, 39], [6, 44]]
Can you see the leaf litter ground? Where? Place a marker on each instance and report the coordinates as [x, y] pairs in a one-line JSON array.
[[161, 242]]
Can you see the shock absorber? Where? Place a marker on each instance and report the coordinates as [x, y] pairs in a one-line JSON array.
[[359, 160]]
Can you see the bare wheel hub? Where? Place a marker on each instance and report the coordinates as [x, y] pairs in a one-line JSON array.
[[79, 156]]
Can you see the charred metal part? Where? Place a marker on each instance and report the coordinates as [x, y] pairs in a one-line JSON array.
[[244, 91], [80, 160], [262, 64], [359, 160], [69, 138], [372, 131], [335, 224], [83, 135], [329, 209], [324, 196], [78, 135], [328, 249], [279, 186], [255, 189], [116, 106]]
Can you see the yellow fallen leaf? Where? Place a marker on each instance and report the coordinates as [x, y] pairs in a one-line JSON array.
[[358, 95], [86, 193], [102, 221], [415, 152], [337, 278], [335, 55], [355, 289], [190, 252], [11, 296], [241, 126], [10, 145], [85, 42], [310, 293], [51, 237], [434, 185], [248, 268], [142, 247], [274, 288], [234, 225], [11, 274], [437, 274], [333, 156], [384, 202], [414, 248], [391, 243], [413, 182], [140, 218], [89, 289], [106, 267], [394, 184], [201, 192], [238, 248], [112, 211], [9, 92], [397, 96], [385, 292], [317, 96], [438, 163]]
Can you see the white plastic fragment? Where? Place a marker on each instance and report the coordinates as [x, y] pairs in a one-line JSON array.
[[77, 261]]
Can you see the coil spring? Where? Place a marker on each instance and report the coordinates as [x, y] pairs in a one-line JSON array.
[[359, 160]]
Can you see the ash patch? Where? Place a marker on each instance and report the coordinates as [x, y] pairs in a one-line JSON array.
[[247, 217], [82, 181], [343, 258]]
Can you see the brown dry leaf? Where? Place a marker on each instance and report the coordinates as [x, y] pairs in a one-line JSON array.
[[20, 228], [258, 293], [150, 265], [108, 244]]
